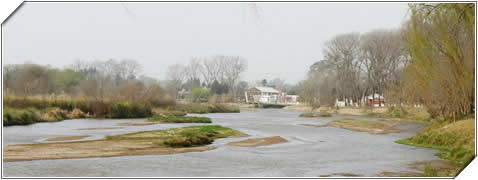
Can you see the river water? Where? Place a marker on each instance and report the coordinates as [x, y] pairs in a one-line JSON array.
[[309, 152]]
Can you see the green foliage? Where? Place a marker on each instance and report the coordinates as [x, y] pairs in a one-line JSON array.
[[66, 80], [200, 94], [97, 108], [196, 135], [455, 140], [20, 116], [430, 171], [180, 119], [441, 72], [129, 110]]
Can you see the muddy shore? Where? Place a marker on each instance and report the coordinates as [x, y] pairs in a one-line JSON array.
[[140, 143], [258, 142]]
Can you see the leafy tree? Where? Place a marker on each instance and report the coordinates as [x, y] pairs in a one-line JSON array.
[[200, 94]]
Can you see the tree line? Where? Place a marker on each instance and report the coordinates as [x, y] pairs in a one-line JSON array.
[[220, 74], [428, 61], [98, 80]]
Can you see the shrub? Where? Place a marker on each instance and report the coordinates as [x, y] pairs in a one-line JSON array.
[[200, 94], [127, 110], [20, 117]]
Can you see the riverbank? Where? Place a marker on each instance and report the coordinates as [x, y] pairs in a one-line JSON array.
[[159, 142], [455, 140], [356, 111], [29, 110], [311, 151]]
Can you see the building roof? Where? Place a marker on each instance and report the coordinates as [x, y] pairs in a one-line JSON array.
[[267, 89]]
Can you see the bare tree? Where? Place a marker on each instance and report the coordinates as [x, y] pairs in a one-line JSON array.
[[176, 76], [236, 66], [343, 54]]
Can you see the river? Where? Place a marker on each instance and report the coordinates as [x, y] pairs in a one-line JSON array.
[[309, 152]]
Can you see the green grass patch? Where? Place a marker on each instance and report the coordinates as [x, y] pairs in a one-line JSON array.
[[320, 114], [183, 137], [180, 119], [455, 140]]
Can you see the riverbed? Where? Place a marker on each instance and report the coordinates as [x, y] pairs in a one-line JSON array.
[[309, 151]]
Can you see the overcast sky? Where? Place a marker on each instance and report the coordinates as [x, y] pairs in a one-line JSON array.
[[278, 39]]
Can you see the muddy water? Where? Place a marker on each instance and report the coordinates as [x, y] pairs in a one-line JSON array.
[[310, 151]]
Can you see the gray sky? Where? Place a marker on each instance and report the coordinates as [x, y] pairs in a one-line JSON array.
[[278, 39]]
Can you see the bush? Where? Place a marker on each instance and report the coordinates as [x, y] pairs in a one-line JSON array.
[[127, 110], [200, 94], [198, 135], [20, 117], [188, 141]]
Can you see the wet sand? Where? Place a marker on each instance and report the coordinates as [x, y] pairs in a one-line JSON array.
[[66, 138], [370, 126], [144, 123], [419, 167], [258, 142], [140, 143], [105, 128]]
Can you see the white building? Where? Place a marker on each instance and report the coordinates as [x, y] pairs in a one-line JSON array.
[[263, 95]]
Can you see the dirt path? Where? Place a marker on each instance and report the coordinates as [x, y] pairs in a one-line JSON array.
[[258, 142]]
